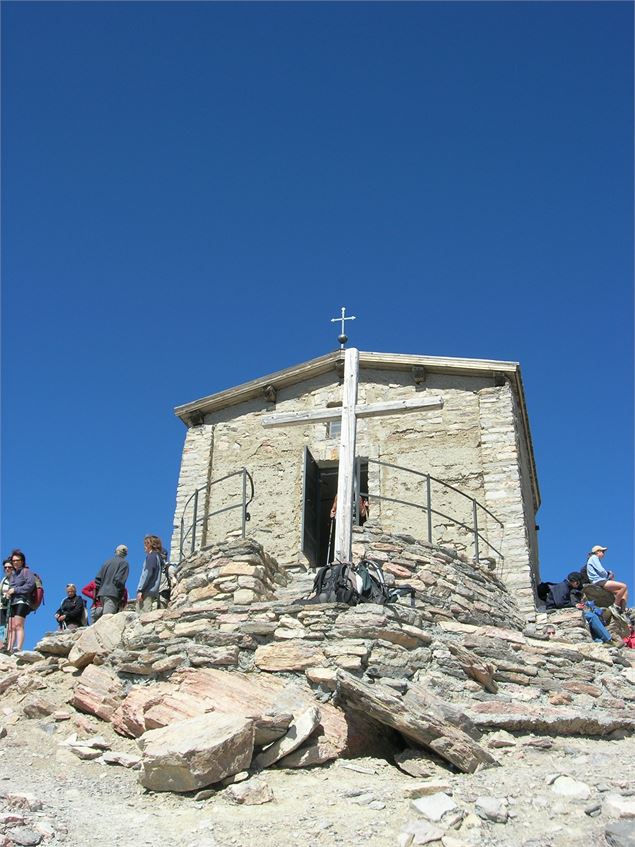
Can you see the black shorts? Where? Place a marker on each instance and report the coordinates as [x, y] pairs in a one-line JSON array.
[[19, 609]]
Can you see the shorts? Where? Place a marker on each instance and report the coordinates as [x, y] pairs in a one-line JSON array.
[[19, 608], [601, 583]]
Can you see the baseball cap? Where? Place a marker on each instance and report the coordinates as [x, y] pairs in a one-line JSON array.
[[121, 549], [598, 548]]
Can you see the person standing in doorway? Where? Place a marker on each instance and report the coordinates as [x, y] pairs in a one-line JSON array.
[[110, 582], [150, 581], [21, 587]]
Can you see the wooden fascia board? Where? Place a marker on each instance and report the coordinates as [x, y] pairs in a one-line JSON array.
[[240, 393]]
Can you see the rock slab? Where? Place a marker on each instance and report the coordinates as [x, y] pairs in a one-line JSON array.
[[195, 753]]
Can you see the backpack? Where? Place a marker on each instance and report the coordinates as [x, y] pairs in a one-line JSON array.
[[336, 583], [374, 588], [584, 575], [165, 583], [37, 595], [542, 590]]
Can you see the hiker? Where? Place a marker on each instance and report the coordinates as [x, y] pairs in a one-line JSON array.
[[110, 582], [364, 509], [562, 595], [70, 614], [593, 616], [21, 587], [150, 581], [7, 570], [97, 609], [598, 575]]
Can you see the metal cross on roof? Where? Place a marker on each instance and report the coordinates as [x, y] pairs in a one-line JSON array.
[[342, 337]]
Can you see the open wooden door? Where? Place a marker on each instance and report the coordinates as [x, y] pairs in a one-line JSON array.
[[311, 509]]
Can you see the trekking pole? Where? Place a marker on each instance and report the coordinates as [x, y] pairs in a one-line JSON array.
[[329, 552], [9, 641]]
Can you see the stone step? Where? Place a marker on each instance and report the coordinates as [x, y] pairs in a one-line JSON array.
[[300, 585]]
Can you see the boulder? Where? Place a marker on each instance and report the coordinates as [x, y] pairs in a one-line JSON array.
[[413, 718], [300, 729], [195, 753], [98, 692], [100, 639], [58, 643], [254, 792], [521, 717]]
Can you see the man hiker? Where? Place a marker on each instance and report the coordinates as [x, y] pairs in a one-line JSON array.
[[566, 593], [110, 582]]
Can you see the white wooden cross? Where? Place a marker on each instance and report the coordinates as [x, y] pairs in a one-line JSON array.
[[349, 413]]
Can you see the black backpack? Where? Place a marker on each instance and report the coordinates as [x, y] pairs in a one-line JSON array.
[[335, 583], [374, 588], [542, 590]]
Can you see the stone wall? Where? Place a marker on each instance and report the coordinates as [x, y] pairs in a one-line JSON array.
[[236, 571], [447, 585], [508, 491]]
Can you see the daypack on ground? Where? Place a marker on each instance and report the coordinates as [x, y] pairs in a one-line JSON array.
[[335, 583], [343, 582]]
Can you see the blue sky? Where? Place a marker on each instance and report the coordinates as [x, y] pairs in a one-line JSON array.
[[190, 192]]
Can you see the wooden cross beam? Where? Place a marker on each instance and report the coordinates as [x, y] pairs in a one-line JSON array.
[[349, 412]]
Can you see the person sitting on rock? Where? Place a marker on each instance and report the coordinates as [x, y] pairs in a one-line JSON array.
[[70, 614], [598, 575], [565, 594], [593, 616]]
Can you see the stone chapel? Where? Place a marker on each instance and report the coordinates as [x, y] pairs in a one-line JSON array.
[[460, 473]]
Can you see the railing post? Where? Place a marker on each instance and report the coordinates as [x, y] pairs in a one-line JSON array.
[[181, 541], [429, 498], [475, 519], [244, 510], [357, 490], [194, 522]]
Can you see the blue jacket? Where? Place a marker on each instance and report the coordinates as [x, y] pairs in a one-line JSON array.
[[595, 570], [560, 595], [150, 576]]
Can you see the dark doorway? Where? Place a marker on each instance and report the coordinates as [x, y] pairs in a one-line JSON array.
[[319, 490]]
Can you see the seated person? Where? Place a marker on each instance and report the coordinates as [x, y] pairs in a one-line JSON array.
[[70, 614], [598, 575], [593, 616], [565, 594]]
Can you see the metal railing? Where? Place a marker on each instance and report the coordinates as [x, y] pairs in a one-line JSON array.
[[427, 479], [191, 533]]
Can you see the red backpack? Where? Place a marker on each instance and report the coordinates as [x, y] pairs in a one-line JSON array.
[[37, 595]]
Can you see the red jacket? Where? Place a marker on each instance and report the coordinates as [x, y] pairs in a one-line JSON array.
[[89, 591]]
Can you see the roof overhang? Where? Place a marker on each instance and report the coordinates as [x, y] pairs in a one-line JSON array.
[[193, 413]]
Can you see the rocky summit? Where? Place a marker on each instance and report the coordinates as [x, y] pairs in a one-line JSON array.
[[243, 714]]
